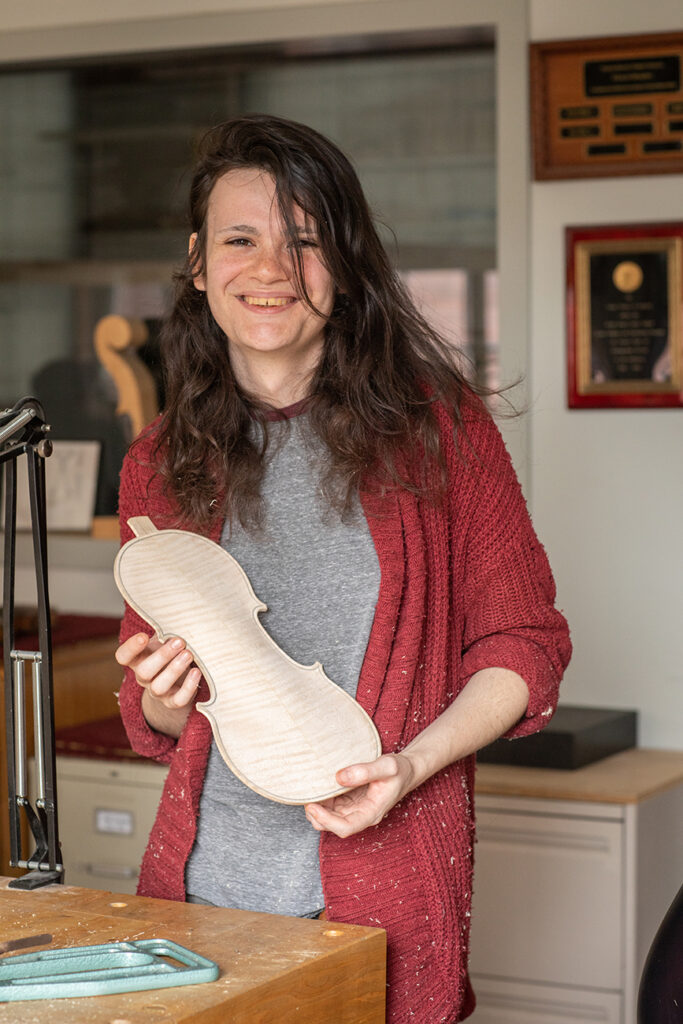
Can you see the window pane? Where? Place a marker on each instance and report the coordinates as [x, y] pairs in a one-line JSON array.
[[94, 171]]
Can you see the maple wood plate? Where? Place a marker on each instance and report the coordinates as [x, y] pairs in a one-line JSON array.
[[283, 728]]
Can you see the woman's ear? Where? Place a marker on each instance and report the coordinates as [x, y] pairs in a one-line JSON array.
[[199, 281]]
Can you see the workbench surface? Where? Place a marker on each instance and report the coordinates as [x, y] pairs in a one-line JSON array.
[[274, 969]]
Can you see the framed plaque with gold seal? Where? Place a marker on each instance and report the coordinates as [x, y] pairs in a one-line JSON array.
[[607, 106], [625, 316]]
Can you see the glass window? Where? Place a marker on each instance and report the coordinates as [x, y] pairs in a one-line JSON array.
[[94, 170]]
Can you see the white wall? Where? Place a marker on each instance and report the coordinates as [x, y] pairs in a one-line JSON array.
[[607, 485], [42, 14], [557, 19]]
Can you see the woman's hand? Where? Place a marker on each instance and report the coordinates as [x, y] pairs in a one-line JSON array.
[[493, 700], [168, 677], [376, 788]]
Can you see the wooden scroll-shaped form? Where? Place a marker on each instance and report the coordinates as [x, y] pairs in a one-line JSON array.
[[284, 729], [116, 342]]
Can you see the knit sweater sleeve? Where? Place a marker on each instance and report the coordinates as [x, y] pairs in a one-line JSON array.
[[510, 619], [134, 501]]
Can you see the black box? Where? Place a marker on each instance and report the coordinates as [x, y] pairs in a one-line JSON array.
[[574, 737]]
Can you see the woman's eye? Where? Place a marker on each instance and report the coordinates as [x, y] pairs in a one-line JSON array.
[[304, 243], [238, 241]]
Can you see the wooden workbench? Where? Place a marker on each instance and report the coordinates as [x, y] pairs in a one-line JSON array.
[[274, 969]]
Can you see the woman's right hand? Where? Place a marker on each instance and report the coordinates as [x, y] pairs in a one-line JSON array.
[[168, 678]]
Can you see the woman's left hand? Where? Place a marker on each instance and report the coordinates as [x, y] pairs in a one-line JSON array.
[[493, 700], [374, 788]]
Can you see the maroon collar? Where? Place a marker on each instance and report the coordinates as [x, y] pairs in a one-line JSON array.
[[290, 411]]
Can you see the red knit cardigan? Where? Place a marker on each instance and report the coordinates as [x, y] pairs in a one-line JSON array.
[[464, 586]]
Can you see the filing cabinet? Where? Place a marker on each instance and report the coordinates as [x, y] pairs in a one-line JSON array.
[[106, 810], [574, 871]]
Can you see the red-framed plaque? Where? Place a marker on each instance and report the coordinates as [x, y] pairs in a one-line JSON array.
[[625, 316]]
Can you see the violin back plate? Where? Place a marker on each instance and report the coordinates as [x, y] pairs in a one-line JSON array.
[[283, 728]]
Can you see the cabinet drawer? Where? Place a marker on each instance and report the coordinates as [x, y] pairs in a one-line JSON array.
[[547, 903], [508, 1002]]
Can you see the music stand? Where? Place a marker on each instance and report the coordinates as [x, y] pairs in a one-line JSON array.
[[23, 431]]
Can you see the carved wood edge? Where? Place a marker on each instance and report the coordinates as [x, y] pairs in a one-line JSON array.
[[116, 342]]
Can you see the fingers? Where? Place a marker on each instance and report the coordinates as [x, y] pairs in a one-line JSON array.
[[148, 657], [344, 823], [385, 767], [312, 820], [165, 670], [324, 820], [373, 789], [162, 667], [186, 691], [131, 649]]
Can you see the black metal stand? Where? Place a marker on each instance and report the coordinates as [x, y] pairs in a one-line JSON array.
[[23, 432]]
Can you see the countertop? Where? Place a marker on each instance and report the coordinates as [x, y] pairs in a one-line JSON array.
[[624, 778]]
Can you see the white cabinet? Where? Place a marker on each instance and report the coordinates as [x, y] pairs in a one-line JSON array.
[[106, 810], [509, 1002], [539, 874], [568, 895]]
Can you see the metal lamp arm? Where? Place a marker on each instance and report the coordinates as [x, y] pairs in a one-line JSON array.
[[23, 431]]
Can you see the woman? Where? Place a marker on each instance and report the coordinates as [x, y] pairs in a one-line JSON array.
[[316, 427]]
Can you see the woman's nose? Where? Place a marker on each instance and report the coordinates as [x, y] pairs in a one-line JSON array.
[[268, 265]]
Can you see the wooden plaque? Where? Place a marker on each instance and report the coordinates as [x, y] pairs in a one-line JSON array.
[[607, 106]]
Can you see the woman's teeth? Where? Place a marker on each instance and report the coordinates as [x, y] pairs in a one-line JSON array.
[[257, 300]]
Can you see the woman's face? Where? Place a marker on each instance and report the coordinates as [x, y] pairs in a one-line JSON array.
[[248, 276]]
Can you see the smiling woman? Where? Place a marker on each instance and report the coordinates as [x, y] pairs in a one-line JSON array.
[[273, 322], [318, 428]]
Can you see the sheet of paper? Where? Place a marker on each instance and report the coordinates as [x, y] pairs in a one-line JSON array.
[[70, 485]]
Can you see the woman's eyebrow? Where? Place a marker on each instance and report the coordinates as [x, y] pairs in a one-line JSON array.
[[247, 229]]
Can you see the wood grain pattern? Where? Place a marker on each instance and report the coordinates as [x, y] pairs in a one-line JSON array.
[[274, 969], [116, 342], [284, 729]]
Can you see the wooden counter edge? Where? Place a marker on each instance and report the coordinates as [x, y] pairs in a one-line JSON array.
[[624, 778]]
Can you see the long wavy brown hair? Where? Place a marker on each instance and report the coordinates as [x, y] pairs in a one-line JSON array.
[[372, 395]]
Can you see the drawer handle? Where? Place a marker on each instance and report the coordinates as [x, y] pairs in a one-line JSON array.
[[530, 837], [111, 870], [542, 1007]]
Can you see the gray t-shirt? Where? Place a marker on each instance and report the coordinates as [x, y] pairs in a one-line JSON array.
[[319, 577]]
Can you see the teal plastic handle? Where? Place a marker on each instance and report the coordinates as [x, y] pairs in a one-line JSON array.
[[102, 970]]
